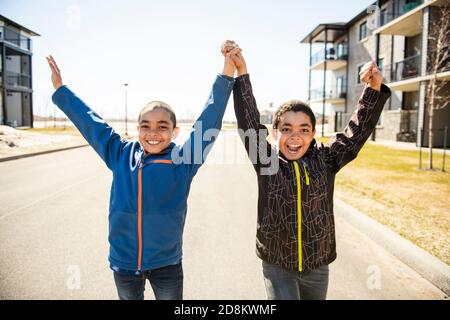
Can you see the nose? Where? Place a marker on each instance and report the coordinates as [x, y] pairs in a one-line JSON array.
[[296, 135], [151, 133]]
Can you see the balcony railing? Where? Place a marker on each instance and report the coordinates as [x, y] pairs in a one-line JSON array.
[[17, 79], [331, 93], [386, 72], [338, 53], [385, 18], [15, 38], [408, 68]]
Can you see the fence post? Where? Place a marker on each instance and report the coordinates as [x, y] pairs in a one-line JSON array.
[[445, 148]]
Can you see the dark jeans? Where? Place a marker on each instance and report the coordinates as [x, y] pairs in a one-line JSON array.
[[166, 282], [282, 284]]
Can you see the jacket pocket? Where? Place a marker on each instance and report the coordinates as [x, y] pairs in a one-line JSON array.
[[162, 235], [123, 237]]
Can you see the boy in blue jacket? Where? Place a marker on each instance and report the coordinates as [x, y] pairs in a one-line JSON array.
[[151, 182]]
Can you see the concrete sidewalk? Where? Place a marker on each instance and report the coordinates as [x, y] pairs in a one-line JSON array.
[[427, 265], [17, 144], [4, 158], [406, 146]]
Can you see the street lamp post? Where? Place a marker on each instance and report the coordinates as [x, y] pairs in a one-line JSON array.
[[126, 112]]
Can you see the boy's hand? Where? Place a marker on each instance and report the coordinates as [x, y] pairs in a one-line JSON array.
[[232, 54], [239, 62], [371, 75], [228, 47], [56, 74]]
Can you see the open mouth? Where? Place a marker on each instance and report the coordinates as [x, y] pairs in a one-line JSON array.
[[293, 148]]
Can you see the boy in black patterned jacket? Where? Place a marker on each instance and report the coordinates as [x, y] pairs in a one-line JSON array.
[[295, 230]]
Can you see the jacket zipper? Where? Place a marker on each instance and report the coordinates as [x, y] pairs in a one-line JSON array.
[[299, 216], [306, 174], [139, 263]]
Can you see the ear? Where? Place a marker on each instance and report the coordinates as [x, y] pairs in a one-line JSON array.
[[137, 128], [175, 132]]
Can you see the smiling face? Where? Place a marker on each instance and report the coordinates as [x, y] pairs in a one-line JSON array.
[[156, 130], [294, 134]]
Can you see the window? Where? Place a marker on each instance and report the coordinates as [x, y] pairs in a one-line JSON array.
[[340, 87], [342, 50], [357, 76], [362, 31], [24, 42], [381, 66], [383, 17], [1, 108]]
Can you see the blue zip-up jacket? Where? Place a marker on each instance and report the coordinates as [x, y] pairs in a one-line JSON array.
[[148, 201]]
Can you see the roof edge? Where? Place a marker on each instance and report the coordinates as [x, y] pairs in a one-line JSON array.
[[19, 26]]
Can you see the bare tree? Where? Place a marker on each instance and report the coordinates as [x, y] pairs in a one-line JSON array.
[[439, 60]]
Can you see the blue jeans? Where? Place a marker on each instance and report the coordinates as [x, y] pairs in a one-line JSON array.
[[166, 282], [282, 284]]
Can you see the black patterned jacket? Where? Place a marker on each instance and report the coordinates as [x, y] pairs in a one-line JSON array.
[[281, 216]]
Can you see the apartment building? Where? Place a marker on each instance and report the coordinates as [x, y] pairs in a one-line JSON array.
[[394, 33], [16, 101]]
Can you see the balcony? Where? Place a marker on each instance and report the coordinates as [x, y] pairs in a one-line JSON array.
[[15, 38], [407, 21], [405, 75], [335, 58], [408, 68], [333, 95], [14, 79]]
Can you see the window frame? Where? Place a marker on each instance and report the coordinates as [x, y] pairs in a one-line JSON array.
[[366, 35]]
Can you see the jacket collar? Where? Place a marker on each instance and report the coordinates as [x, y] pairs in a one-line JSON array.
[[162, 153]]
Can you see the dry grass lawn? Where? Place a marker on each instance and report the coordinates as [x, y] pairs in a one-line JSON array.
[[386, 184]]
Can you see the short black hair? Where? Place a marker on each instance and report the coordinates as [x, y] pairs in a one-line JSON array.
[[158, 105], [296, 106]]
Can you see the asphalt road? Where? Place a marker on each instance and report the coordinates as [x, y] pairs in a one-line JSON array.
[[54, 231]]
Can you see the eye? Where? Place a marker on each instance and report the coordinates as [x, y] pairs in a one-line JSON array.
[[163, 127], [305, 130], [144, 127], [285, 130]]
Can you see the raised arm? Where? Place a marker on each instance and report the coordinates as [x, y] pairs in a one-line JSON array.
[[345, 146], [253, 134], [105, 141], [206, 128]]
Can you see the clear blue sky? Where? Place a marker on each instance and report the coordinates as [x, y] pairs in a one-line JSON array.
[[169, 50]]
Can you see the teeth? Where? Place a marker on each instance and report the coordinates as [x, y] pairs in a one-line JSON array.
[[153, 142], [293, 148]]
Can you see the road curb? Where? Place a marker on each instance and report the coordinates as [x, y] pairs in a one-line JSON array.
[[427, 265], [26, 155]]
